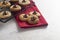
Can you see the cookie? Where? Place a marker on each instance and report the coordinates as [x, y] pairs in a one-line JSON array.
[[15, 8], [23, 17]]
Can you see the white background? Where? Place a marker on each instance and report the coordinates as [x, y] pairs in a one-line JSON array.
[[50, 9]]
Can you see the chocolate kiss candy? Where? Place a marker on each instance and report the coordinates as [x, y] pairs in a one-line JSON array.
[[33, 18], [25, 16], [23, 1], [4, 13], [34, 12], [14, 6]]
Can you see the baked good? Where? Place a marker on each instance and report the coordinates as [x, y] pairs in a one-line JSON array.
[[33, 19], [5, 4], [23, 17], [24, 2], [5, 14], [15, 8], [35, 13]]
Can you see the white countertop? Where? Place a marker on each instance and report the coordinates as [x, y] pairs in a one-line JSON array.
[[50, 9]]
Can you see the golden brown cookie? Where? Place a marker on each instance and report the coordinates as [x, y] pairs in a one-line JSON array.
[[35, 13], [5, 4], [23, 17], [24, 2], [5, 14], [33, 19], [15, 8]]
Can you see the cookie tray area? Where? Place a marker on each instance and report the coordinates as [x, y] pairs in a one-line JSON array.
[[25, 9], [21, 24]]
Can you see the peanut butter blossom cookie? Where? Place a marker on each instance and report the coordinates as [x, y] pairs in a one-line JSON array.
[[5, 4], [35, 13], [24, 2], [23, 17], [33, 19], [5, 14], [15, 8]]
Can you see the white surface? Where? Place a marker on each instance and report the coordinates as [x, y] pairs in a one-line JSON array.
[[50, 10]]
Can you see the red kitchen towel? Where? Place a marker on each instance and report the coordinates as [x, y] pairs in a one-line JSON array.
[[21, 24]]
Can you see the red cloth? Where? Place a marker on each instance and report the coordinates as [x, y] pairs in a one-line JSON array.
[[21, 24]]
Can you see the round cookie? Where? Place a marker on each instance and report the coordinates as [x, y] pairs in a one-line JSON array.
[[23, 17], [5, 4], [15, 8], [33, 19], [5, 14], [24, 2], [35, 13]]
